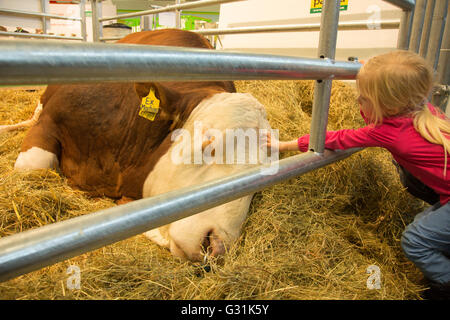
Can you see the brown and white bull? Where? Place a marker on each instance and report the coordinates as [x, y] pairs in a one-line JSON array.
[[94, 134]]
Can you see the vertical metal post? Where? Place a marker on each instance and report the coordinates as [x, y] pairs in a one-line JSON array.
[[441, 97], [322, 90], [426, 28], [444, 55], [417, 26], [97, 31], [83, 19], [405, 29], [447, 108], [145, 23], [440, 12], [178, 16], [44, 9]]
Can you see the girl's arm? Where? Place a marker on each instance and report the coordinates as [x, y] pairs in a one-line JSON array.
[[288, 145], [346, 139], [341, 139], [283, 145]]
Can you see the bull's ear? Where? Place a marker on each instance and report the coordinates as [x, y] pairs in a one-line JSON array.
[[165, 95]]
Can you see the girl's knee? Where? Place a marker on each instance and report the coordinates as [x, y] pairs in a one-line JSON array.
[[411, 244], [427, 234]]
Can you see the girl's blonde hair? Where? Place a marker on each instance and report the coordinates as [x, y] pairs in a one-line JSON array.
[[398, 83]]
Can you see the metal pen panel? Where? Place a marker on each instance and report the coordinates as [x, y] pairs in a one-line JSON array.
[[441, 96], [447, 108], [426, 28], [178, 15], [34, 249], [443, 68], [346, 25], [404, 31], [436, 32], [417, 26], [97, 27], [44, 9], [322, 89], [44, 62], [83, 25]]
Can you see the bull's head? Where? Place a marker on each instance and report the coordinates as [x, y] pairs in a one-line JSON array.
[[212, 231]]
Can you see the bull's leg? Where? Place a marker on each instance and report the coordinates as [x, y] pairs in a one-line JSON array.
[[36, 158], [40, 148]]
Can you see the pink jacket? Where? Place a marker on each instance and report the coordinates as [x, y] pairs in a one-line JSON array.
[[422, 159]]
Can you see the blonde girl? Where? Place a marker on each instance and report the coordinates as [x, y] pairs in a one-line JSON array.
[[393, 90]]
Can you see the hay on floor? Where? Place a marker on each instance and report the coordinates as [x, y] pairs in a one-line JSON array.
[[312, 237]]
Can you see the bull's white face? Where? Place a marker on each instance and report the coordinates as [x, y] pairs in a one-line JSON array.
[[213, 230]]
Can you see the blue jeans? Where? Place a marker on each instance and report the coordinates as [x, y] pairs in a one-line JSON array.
[[426, 242]]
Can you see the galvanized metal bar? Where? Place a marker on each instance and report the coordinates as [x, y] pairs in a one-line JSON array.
[[97, 28], [447, 106], [436, 32], [403, 4], [404, 31], [44, 19], [417, 25], [178, 15], [34, 249], [44, 62], [83, 24], [187, 5], [145, 26], [441, 96], [343, 26], [346, 25], [405, 23], [322, 89], [35, 35], [443, 68], [37, 14], [426, 28]]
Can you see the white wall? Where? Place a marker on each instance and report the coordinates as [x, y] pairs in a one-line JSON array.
[[278, 12]]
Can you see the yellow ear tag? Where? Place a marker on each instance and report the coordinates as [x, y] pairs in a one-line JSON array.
[[149, 106]]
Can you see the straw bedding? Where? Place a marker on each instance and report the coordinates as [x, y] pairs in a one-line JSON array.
[[312, 237]]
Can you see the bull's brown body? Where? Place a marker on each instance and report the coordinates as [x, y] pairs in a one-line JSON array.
[[102, 144]]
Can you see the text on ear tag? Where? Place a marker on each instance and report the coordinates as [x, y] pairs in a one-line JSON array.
[[149, 106]]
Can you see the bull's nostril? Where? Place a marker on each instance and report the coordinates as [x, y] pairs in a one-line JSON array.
[[212, 245], [206, 244]]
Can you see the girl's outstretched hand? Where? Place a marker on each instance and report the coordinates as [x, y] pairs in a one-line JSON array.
[[282, 145]]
